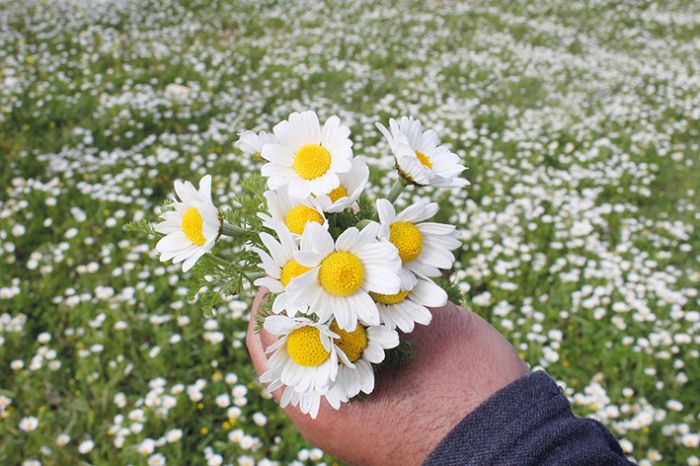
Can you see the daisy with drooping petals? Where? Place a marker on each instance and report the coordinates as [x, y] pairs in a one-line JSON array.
[[281, 267], [424, 247], [410, 307], [305, 357], [343, 272], [349, 189], [192, 228], [363, 347], [307, 158], [310, 402], [420, 158], [293, 212], [251, 143]]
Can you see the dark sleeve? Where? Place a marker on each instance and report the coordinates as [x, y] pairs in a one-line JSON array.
[[529, 422]]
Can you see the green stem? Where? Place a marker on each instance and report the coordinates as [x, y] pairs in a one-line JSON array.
[[363, 223], [396, 190], [232, 230], [394, 193]]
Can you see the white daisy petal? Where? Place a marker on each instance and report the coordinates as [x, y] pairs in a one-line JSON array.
[[307, 258], [386, 211], [429, 294]]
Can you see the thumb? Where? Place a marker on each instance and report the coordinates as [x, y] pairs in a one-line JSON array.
[[257, 342]]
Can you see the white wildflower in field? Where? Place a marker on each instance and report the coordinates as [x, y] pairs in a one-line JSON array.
[[146, 447], [86, 446], [29, 424], [223, 400], [157, 460]]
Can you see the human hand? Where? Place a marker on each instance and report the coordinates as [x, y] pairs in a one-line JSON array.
[[459, 361]]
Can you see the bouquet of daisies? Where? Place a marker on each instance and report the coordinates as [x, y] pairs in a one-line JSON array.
[[344, 274]]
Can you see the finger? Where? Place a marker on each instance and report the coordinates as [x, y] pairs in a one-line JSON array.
[[255, 307], [264, 336], [254, 342], [257, 351], [257, 342]]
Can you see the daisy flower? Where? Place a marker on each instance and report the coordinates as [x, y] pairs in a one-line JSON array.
[[251, 143], [343, 272], [363, 347], [192, 228], [281, 267], [408, 307], [293, 212], [307, 158], [305, 357], [349, 189], [420, 158], [425, 247]]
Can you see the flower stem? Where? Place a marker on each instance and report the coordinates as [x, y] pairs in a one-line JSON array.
[[363, 223], [394, 193], [231, 230], [396, 190]]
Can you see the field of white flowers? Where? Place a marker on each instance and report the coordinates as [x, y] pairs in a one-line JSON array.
[[580, 122]]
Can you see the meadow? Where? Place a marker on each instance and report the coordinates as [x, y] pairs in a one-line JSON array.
[[579, 122]]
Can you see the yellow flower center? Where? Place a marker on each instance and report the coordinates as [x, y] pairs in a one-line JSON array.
[[312, 161], [352, 343], [407, 239], [192, 226], [298, 216], [338, 193], [290, 270], [305, 348], [389, 298], [422, 158], [341, 273]]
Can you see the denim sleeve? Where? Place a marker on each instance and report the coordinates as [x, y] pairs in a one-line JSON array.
[[529, 422]]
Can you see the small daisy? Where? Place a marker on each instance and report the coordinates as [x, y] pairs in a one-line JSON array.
[[28, 424], [251, 143], [410, 307], [156, 460], [425, 247], [295, 213], [86, 446], [349, 189], [363, 347], [343, 272], [62, 440], [281, 267], [307, 158], [420, 158], [192, 228], [305, 357]]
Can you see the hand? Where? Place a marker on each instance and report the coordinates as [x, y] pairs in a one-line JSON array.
[[459, 361]]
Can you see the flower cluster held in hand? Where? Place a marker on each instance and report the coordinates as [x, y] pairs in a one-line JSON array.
[[345, 275]]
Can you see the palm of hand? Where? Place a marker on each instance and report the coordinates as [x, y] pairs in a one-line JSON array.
[[459, 361]]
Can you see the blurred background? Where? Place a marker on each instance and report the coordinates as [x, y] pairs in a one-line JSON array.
[[580, 125]]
